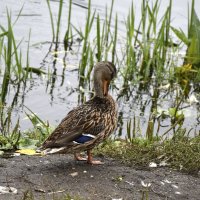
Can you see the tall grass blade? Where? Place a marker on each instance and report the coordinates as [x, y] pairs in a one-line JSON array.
[[66, 38], [98, 39], [58, 22], [86, 44], [107, 30], [27, 56], [115, 40], [52, 22], [181, 35], [8, 59], [193, 51]]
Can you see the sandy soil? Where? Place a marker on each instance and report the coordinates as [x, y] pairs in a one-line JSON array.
[[51, 177]]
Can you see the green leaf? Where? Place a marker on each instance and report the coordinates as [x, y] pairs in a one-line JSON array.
[[181, 35], [193, 52], [34, 70]]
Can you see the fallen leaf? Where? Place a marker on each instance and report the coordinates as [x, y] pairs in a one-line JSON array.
[[5, 190], [29, 152]]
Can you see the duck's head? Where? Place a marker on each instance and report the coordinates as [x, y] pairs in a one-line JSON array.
[[104, 72]]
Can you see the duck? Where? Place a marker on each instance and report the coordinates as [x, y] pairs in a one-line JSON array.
[[89, 124]]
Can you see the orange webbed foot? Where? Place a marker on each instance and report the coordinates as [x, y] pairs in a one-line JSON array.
[[78, 157], [91, 161]]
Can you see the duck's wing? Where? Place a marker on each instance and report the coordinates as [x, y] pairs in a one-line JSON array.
[[80, 125]]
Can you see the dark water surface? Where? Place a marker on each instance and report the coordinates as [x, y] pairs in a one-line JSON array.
[[52, 101]]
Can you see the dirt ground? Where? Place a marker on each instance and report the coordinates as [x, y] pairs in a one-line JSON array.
[[50, 177]]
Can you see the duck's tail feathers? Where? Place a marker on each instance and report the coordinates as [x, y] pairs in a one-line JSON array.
[[49, 150]]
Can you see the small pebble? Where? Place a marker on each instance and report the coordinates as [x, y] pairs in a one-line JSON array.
[[74, 174], [177, 192], [175, 186]]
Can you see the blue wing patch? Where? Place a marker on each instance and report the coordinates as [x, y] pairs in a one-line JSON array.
[[84, 138]]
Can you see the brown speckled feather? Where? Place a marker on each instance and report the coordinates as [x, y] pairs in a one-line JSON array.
[[97, 116]]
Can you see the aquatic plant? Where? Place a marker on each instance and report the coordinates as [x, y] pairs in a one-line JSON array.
[[192, 39], [55, 31], [52, 21], [69, 29], [12, 57], [86, 43], [14, 76]]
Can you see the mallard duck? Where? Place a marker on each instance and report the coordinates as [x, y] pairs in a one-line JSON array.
[[89, 124]]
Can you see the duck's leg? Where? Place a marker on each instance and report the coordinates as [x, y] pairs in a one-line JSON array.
[[93, 162], [78, 157]]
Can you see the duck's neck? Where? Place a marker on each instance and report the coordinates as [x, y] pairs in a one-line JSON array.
[[98, 86]]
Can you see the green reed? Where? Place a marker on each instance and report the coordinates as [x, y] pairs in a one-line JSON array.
[[67, 34], [147, 45], [52, 21], [8, 60], [86, 43], [193, 50], [55, 31], [58, 21], [13, 74], [2, 41], [107, 29], [130, 58], [98, 39], [153, 60], [12, 57], [27, 57], [114, 40], [98, 47]]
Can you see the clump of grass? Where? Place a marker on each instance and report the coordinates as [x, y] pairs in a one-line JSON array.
[[97, 49], [180, 152], [14, 74]]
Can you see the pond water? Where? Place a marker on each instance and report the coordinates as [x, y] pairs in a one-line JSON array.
[[52, 99]]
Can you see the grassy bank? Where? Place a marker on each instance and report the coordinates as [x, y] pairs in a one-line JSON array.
[[180, 153]]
